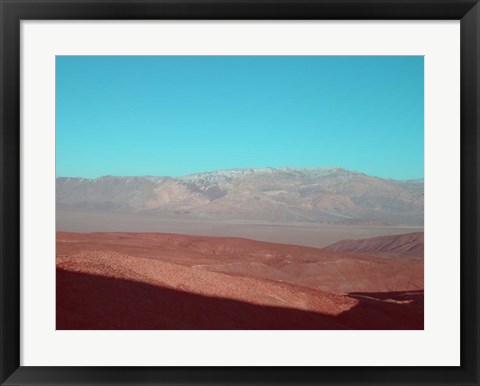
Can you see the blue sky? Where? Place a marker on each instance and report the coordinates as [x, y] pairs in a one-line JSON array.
[[175, 115]]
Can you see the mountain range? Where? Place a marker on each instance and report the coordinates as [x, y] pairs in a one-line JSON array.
[[287, 195]]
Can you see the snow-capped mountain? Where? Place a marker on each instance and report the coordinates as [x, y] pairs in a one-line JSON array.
[[318, 195]]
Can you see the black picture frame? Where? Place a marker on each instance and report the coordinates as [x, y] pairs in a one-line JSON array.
[[13, 11]]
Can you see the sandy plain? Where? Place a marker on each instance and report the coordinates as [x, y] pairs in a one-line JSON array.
[[307, 234]]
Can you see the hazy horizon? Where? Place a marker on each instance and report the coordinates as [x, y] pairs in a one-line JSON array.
[[175, 116], [234, 169]]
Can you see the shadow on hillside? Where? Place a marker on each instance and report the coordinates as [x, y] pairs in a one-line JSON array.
[[386, 311], [86, 302]]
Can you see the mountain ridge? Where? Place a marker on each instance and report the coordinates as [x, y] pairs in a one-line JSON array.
[[233, 171]]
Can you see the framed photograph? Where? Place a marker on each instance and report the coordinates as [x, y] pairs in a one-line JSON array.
[[230, 192]]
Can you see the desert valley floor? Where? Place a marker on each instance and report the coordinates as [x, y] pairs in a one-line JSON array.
[[311, 235], [119, 280]]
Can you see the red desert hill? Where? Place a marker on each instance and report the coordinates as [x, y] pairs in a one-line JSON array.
[[409, 244], [165, 281]]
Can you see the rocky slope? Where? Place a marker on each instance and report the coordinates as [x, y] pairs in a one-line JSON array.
[[315, 268], [406, 245], [162, 281]]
